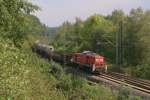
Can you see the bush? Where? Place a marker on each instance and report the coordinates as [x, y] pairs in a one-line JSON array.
[[125, 94], [56, 70], [143, 71], [23, 75], [140, 71], [77, 88]]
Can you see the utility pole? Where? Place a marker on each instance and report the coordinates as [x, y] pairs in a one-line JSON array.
[[119, 46]]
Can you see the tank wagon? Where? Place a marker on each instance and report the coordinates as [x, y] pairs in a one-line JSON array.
[[42, 49]]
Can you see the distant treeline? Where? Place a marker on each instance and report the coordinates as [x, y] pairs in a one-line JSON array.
[[98, 33], [52, 31]]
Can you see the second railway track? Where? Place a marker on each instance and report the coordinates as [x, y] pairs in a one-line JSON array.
[[127, 81]]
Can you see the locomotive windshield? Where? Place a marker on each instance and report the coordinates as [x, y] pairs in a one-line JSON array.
[[88, 53]]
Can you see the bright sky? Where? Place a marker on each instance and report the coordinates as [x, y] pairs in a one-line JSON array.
[[55, 12]]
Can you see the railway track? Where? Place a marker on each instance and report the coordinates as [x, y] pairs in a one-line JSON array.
[[127, 81], [139, 87]]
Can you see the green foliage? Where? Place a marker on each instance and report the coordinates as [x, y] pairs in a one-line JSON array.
[[98, 33], [141, 71], [23, 75], [52, 31], [125, 94], [36, 27], [77, 88], [14, 19], [66, 82]]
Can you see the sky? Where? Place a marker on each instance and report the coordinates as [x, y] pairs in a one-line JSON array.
[[54, 12]]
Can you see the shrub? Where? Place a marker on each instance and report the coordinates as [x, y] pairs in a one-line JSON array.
[[125, 94], [23, 75]]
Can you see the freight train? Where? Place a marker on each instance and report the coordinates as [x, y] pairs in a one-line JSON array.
[[94, 62]]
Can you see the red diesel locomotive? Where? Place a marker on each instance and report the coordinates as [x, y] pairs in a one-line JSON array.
[[91, 60]]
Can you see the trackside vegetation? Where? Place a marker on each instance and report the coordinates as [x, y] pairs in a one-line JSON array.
[[26, 76]]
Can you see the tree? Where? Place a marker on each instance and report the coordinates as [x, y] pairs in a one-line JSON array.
[[98, 35], [116, 16], [134, 50], [14, 18]]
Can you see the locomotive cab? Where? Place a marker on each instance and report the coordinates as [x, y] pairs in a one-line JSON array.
[[99, 63], [90, 59]]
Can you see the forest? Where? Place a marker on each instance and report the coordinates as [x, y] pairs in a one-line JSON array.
[[26, 76], [98, 33]]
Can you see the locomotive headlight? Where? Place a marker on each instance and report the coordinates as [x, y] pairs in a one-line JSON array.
[[97, 60], [101, 60]]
